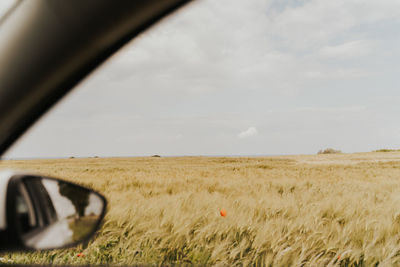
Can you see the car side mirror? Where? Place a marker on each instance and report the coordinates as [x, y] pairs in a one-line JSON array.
[[41, 213]]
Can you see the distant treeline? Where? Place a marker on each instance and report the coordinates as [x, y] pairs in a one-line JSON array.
[[387, 150]]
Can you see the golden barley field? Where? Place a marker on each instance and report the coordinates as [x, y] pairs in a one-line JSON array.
[[306, 210]]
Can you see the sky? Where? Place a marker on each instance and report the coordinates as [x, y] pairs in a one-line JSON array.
[[234, 77]]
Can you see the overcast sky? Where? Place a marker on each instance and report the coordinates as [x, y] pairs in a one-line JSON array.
[[234, 77]]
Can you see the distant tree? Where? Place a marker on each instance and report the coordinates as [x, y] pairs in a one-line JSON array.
[[386, 150], [156, 156], [329, 151]]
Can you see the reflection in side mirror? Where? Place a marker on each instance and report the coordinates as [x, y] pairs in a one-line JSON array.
[[46, 213]]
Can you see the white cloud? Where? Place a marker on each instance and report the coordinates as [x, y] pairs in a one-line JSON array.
[[179, 136], [331, 109], [248, 133], [348, 49]]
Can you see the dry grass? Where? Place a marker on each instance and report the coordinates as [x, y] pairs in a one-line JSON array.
[[341, 210]]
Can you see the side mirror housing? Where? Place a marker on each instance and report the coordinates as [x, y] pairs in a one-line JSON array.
[[41, 213]]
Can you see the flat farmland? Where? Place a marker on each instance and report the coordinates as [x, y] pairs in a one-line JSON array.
[[308, 210]]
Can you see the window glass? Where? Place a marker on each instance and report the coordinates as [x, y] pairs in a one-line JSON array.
[[25, 212]]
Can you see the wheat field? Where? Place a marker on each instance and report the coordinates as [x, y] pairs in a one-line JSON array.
[[306, 210]]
